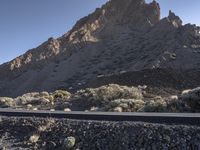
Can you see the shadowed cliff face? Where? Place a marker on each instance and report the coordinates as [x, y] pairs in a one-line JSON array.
[[120, 36]]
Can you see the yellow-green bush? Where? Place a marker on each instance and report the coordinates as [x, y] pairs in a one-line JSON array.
[[157, 104], [175, 105], [61, 94], [127, 105], [7, 102], [192, 99], [104, 94]]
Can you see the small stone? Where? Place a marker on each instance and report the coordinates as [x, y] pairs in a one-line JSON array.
[[94, 108], [174, 97], [142, 87], [34, 138], [186, 91], [67, 110], [118, 109], [69, 142], [29, 106], [35, 109]]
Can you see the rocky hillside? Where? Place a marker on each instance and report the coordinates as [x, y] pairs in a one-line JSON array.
[[120, 38]]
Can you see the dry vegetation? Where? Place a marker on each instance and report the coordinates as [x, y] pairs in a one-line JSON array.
[[110, 97]]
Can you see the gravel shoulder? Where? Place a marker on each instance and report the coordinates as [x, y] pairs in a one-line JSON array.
[[40, 133]]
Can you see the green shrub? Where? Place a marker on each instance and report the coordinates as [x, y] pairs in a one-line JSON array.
[[104, 94], [50, 98], [175, 105], [127, 105], [157, 104], [192, 99], [7, 102], [61, 94]]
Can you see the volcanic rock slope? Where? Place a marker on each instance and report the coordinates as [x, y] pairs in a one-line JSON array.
[[120, 38]]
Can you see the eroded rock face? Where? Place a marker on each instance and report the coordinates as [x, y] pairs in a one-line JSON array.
[[135, 12], [45, 51], [120, 36], [175, 20]]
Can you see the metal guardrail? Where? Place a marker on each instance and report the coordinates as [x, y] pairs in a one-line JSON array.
[[166, 118]]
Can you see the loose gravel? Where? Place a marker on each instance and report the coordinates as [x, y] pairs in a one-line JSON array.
[[95, 135]]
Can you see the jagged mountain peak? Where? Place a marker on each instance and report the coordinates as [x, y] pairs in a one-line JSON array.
[[124, 12], [174, 19], [111, 16]]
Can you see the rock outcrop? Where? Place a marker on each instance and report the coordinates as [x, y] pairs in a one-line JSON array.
[[120, 36]]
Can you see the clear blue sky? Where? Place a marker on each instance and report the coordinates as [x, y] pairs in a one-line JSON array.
[[24, 24]]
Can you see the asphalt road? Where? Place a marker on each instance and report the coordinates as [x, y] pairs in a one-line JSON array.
[[166, 118]]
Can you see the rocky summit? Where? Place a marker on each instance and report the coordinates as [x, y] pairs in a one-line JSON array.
[[123, 42]]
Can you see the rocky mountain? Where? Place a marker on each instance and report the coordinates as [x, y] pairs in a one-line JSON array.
[[122, 42]]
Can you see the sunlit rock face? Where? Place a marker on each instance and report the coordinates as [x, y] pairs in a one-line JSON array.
[[121, 36]]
